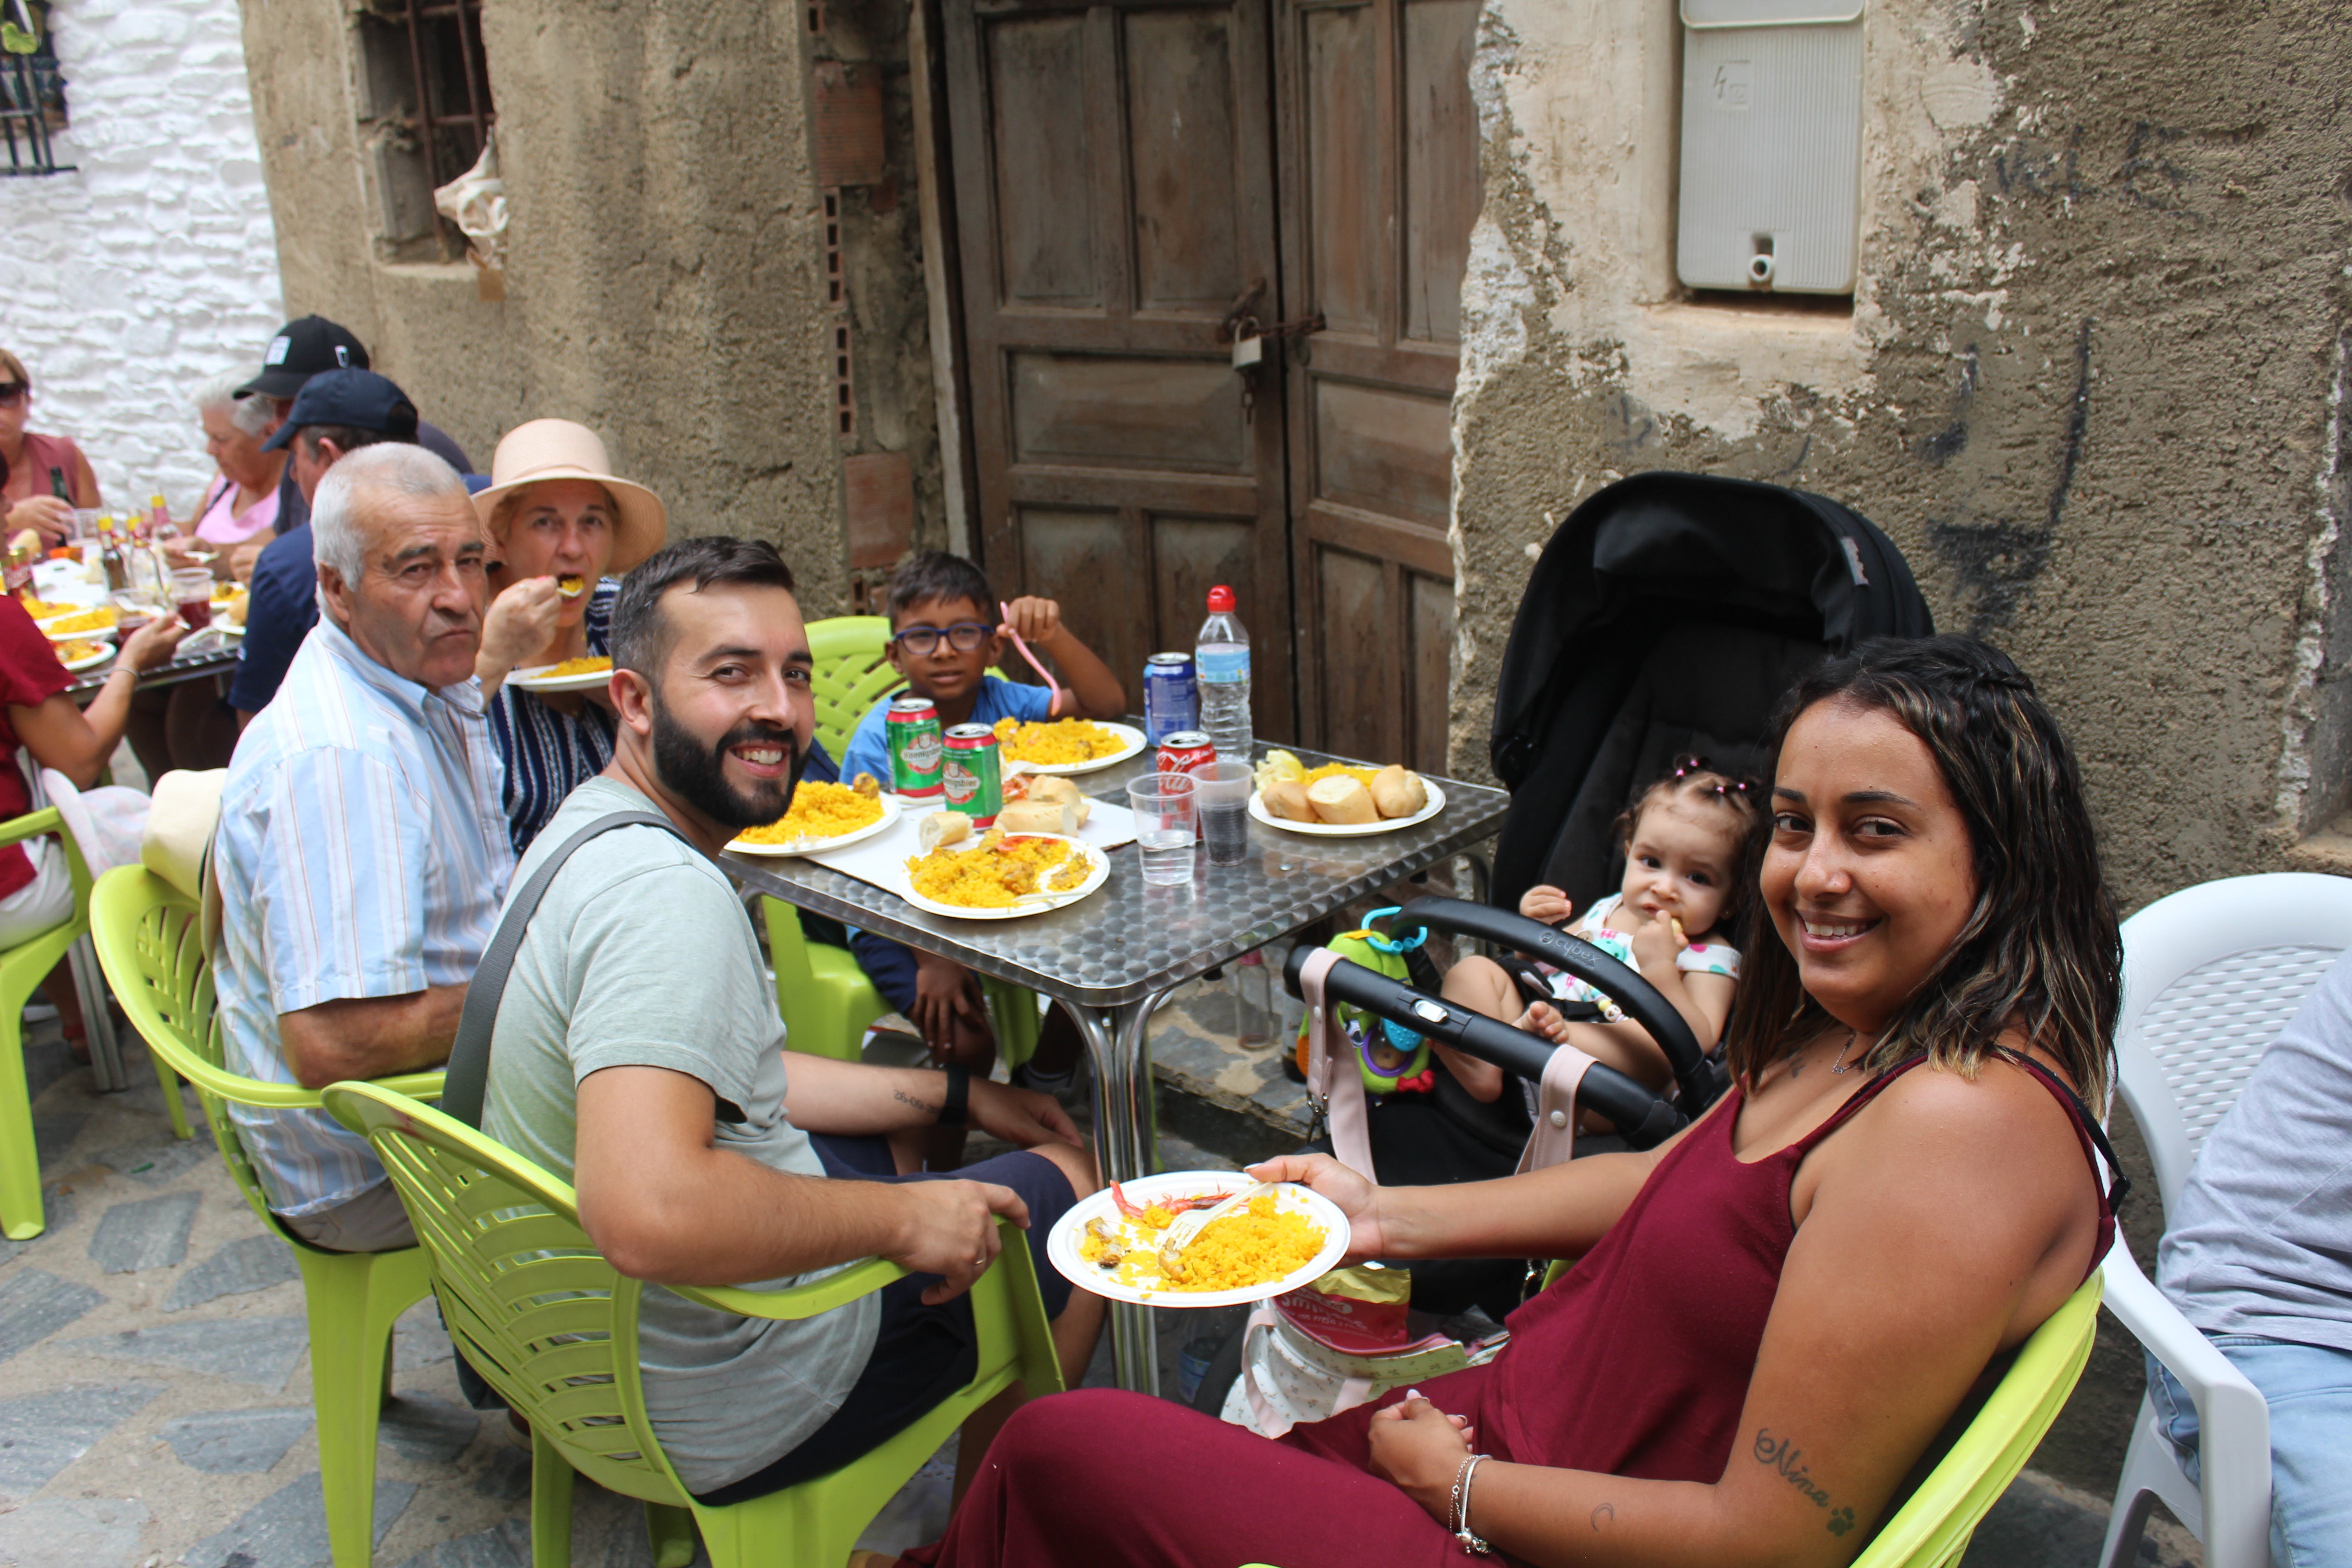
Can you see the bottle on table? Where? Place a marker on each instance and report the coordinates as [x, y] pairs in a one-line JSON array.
[[19, 574], [58, 486], [1221, 670], [110, 554], [1253, 1002], [159, 525]]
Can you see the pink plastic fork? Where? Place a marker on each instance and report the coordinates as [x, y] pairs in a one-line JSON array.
[[1052, 684]]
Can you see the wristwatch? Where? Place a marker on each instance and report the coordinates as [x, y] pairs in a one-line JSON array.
[[955, 1110]]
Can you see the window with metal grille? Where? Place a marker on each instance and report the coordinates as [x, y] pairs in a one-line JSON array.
[[428, 113], [32, 90]]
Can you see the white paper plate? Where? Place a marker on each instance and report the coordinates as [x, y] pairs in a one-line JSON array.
[[890, 809], [1436, 804], [228, 628], [1096, 877], [89, 661], [1130, 741], [534, 678], [1061, 1246]]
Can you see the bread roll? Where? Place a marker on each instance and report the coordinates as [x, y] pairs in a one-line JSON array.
[[942, 828], [1340, 800], [1052, 787], [1286, 799], [1039, 816], [1398, 792]]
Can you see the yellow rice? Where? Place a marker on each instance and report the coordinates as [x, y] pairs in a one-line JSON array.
[[1054, 742], [38, 609], [70, 651], [818, 811], [88, 621], [997, 874], [595, 666], [1340, 770], [1256, 1246]]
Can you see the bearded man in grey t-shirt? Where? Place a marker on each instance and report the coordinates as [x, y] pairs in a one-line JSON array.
[[638, 1054]]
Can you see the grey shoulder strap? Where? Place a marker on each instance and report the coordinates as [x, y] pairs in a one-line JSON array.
[[469, 1058]]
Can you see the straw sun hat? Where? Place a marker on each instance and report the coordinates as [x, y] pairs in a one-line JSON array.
[[547, 450]]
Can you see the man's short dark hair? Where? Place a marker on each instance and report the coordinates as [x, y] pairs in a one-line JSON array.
[[348, 438], [932, 575], [641, 635]]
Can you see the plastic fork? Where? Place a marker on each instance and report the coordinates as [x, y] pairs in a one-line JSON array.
[[1052, 684], [1190, 1223]]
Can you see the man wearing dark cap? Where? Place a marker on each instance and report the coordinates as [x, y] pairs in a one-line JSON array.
[[336, 412], [304, 348]]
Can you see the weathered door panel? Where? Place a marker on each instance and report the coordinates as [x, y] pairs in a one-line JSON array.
[[1378, 155], [1114, 186]]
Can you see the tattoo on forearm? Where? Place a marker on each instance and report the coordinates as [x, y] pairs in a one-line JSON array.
[[1606, 1510], [1781, 1455], [927, 1107]]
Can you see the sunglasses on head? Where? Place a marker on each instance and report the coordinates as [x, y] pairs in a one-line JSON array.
[[12, 394], [963, 637]]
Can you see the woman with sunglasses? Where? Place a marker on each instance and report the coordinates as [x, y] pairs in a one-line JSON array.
[[31, 465]]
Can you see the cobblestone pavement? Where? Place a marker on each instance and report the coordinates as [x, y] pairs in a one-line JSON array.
[[155, 1394]]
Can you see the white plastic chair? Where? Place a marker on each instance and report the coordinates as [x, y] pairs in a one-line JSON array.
[[2212, 974]]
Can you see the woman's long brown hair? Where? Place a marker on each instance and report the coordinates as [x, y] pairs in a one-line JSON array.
[[2039, 952]]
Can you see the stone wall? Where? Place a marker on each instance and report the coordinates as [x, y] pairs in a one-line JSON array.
[[152, 266], [2091, 382], [665, 282]]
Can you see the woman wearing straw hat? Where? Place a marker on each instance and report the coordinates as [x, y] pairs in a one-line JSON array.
[[563, 530]]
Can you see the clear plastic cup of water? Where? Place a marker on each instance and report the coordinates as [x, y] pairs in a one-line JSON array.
[[1167, 825], [1224, 794]]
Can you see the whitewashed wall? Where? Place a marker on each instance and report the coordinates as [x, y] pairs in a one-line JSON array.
[[154, 263]]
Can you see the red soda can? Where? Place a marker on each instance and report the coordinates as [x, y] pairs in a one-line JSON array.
[[912, 729], [1186, 751]]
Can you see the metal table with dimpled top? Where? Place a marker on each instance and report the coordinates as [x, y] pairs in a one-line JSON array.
[[1111, 956]]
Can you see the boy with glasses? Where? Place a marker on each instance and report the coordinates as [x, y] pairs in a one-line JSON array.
[[945, 632]]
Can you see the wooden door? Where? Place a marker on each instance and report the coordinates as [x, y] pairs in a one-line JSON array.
[[1114, 180], [1380, 186]]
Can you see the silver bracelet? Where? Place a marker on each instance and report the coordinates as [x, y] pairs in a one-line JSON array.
[[1457, 1512]]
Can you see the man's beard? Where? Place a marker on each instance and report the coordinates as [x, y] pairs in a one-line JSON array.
[[697, 775]]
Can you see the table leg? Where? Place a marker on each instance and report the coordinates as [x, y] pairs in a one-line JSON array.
[[1115, 1038], [98, 1024]]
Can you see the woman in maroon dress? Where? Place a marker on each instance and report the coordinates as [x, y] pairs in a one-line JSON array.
[[30, 465], [1773, 1315]]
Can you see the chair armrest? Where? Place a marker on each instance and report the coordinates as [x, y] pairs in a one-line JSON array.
[[33, 823], [2233, 1443], [238, 1089], [834, 1290]]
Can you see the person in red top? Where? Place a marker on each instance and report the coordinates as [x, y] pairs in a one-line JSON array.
[[26, 490], [36, 714], [1772, 1315]]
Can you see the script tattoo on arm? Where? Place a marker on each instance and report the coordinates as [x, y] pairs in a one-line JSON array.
[[1781, 1454], [917, 1101]]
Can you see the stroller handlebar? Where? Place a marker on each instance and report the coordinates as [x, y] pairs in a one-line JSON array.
[[1640, 1115], [1617, 982]]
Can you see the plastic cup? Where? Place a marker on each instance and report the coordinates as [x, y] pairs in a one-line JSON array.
[[134, 609], [192, 591], [85, 522], [1167, 825], [1223, 791]]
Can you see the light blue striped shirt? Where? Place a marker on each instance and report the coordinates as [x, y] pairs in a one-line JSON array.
[[361, 852]]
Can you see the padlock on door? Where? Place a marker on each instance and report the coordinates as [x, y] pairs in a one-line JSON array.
[[1248, 351]]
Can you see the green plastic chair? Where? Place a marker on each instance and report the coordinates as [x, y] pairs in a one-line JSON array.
[[1932, 1528], [553, 1328], [825, 998], [150, 951], [22, 968]]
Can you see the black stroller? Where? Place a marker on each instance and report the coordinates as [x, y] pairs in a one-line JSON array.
[[1668, 614]]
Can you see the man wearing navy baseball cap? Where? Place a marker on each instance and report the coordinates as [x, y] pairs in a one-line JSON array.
[[335, 413]]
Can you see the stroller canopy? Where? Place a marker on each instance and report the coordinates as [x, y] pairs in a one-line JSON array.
[[1669, 614]]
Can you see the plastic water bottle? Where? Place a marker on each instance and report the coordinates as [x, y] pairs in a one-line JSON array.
[[1221, 665]]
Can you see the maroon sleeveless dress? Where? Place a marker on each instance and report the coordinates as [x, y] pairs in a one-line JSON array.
[[1635, 1363]]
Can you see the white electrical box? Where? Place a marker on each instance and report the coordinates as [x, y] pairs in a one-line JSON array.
[[1771, 156]]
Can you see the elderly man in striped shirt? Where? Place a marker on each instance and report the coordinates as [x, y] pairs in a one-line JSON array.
[[363, 849]]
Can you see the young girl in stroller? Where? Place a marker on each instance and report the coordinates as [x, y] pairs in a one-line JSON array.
[[1687, 840]]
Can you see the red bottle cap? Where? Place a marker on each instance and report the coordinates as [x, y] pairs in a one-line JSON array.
[[1220, 599]]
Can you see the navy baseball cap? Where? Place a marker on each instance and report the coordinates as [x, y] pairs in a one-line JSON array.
[[357, 399], [302, 350]]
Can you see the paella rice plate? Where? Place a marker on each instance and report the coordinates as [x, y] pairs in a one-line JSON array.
[[94, 620], [997, 872], [588, 666], [818, 811], [1253, 1247], [1055, 743]]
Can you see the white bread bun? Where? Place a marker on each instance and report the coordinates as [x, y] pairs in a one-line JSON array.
[[1052, 787], [942, 828], [1039, 816], [1340, 800], [1286, 799], [1397, 792]]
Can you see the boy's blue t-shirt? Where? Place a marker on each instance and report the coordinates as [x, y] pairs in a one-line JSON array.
[[868, 750]]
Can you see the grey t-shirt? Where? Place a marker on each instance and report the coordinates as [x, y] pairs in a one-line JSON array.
[[641, 955], [2261, 1240]]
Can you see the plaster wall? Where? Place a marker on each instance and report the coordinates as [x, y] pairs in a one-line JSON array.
[[2091, 382], [152, 266], [665, 279]]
